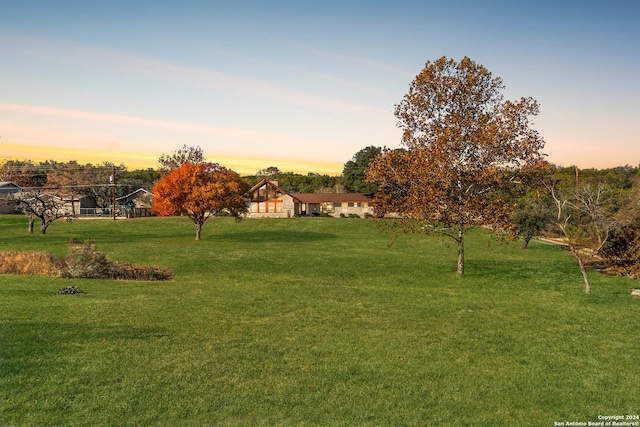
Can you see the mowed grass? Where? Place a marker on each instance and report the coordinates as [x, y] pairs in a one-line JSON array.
[[314, 321]]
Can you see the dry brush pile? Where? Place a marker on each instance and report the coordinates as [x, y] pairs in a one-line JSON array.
[[83, 260]]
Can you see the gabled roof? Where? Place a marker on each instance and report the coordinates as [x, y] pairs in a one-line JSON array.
[[318, 197], [144, 191], [266, 181], [9, 187]]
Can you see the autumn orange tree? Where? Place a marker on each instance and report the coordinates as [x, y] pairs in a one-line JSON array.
[[200, 191], [463, 143]]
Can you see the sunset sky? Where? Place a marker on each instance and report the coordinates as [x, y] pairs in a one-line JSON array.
[[301, 85]]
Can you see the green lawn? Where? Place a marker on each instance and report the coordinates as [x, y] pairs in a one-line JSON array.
[[313, 321]]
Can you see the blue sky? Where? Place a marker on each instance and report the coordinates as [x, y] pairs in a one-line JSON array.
[[301, 85]]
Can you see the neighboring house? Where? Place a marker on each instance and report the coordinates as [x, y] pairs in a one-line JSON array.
[[7, 190], [136, 203], [10, 192], [8, 187], [270, 201], [88, 206], [133, 205], [39, 201]]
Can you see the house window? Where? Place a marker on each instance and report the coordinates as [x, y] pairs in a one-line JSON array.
[[262, 193], [337, 205], [353, 204]]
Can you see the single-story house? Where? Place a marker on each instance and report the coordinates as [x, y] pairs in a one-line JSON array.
[[270, 201], [136, 204], [7, 190], [133, 205], [8, 187], [87, 206], [10, 192]]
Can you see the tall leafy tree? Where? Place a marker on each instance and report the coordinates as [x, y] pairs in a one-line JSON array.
[[621, 252], [272, 172], [185, 154], [299, 183], [354, 172], [200, 191], [531, 218], [22, 172], [462, 142], [93, 181], [131, 180]]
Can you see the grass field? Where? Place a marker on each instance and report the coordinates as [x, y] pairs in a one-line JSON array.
[[314, 321]]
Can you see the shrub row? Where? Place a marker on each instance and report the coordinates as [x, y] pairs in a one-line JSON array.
[[83, 260], [38, 263]]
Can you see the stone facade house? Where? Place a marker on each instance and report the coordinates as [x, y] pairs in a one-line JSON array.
[[270, 201]]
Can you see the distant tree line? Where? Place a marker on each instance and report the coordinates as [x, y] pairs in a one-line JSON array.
[[96, 180], [595, 211]]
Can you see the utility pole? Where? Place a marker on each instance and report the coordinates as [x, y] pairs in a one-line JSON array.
[[578, 195], [112, 178]]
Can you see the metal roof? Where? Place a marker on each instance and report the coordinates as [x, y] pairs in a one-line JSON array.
[[9, 187]]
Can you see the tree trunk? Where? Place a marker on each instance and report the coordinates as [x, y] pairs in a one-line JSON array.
[[198, 230], [585, 276], [460, 241], [525, 242], [31, 221], [43, 227]]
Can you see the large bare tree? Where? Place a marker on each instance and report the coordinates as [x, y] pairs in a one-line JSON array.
[[585, 216], [38, 203], [462, 144]]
